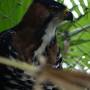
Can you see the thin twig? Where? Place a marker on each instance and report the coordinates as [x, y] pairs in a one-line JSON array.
[[78, 30]]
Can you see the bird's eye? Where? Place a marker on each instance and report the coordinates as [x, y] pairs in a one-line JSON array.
[[68, 15]]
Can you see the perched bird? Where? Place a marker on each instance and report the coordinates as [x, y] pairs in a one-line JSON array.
[[35, 35], [33, 38]]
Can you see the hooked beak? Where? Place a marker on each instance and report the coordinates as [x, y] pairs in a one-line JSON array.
[[68, 16]]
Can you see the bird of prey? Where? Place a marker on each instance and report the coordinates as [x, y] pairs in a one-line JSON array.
[[33, 38]]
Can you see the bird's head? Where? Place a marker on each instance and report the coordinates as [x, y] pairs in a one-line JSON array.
[[57, 11], [41, 10]]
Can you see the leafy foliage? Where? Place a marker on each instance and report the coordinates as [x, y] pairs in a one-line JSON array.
[[75, 37], [11, 12]]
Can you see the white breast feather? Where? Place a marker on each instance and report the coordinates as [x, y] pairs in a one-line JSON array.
[[49, 34]]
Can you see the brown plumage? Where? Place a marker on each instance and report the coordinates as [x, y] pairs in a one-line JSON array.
[[29, 33], [34, 37]]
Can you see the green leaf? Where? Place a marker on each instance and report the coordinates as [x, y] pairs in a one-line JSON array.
[[79, 42], [11, 12]]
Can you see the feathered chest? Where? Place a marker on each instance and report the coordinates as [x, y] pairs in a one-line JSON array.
[[46, 39], [33, 42]]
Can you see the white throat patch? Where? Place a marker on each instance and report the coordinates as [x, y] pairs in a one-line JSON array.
[[49, 34]]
